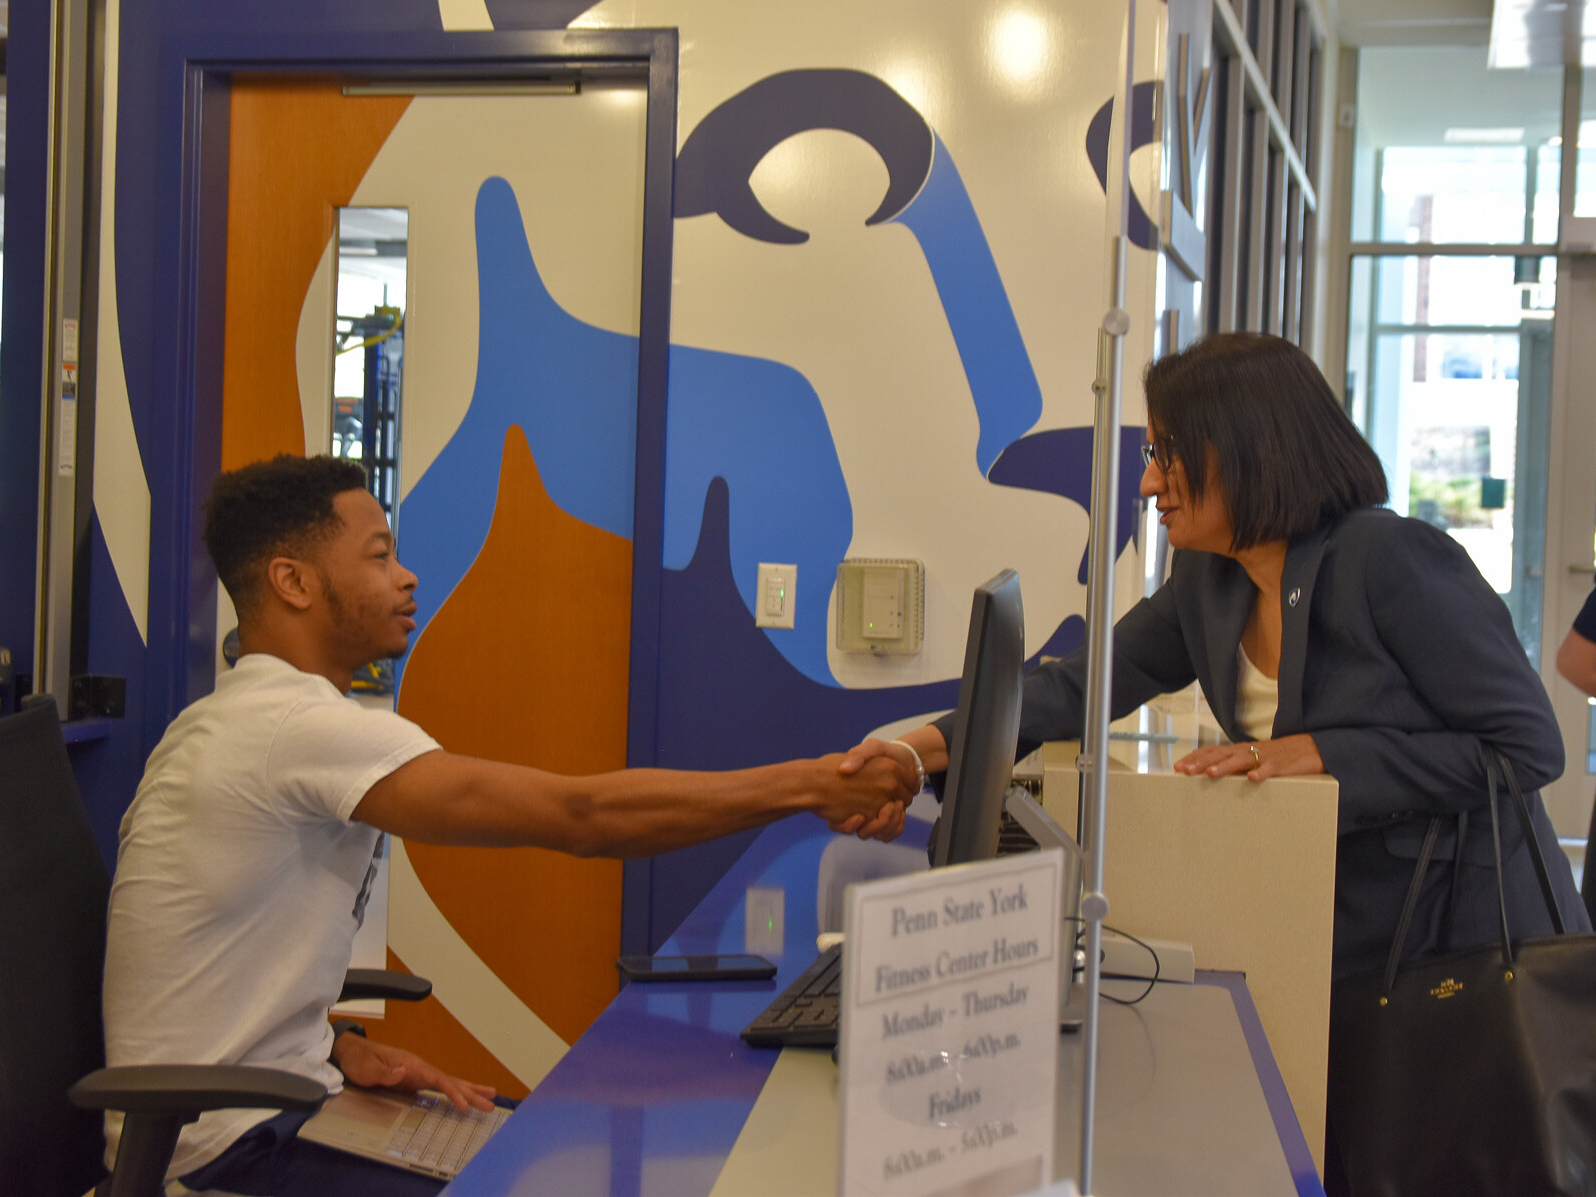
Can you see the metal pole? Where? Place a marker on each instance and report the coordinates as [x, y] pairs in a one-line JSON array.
[[1100, 614], [58, 449]]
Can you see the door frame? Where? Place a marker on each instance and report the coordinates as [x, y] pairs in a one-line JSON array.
[[1570, 479], [191, 281], [1570, 509]]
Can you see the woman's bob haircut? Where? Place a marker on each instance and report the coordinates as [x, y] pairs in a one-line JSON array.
[[1288, 458]]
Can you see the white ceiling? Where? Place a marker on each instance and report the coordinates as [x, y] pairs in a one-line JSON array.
[[1458, 92], [1543, 33], [1414, 22]]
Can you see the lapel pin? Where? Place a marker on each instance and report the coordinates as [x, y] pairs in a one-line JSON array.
[[1294, 596]]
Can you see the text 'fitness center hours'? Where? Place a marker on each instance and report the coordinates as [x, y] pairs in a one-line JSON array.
[[945, 964]]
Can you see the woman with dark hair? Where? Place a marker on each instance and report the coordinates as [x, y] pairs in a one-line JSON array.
[[1329, 636]]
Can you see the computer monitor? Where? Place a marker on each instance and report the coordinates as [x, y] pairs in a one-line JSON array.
[[986, 727], [986, 731]]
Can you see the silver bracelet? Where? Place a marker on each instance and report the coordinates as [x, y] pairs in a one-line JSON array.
[[918, 767]]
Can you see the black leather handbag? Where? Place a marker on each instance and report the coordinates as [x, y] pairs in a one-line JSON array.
[[1472, 1072]]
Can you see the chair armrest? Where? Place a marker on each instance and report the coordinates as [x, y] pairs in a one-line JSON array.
[[383, 983], [194, 1088]]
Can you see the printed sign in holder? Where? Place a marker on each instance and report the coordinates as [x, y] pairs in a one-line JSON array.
[[949, 1040]]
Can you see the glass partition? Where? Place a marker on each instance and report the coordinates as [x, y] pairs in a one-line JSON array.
[[1585, 175]]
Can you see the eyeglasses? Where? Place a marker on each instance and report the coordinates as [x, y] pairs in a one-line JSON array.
[[1161, 450]]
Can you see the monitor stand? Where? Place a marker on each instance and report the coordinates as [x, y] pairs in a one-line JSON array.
[[1121, 956]]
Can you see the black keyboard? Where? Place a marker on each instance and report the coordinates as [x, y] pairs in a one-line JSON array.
[[1014, 839], [806, 1013]]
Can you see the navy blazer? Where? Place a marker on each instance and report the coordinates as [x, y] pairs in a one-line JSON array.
[[1401, 662]]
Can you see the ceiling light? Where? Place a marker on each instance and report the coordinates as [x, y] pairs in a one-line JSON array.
[[1502, 136]]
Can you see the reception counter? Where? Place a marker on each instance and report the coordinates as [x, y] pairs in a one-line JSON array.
[[661, 1096], [1242, 871]]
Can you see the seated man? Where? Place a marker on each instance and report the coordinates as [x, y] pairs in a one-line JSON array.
[[246, 856]]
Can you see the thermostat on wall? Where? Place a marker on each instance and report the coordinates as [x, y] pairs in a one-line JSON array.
[[880, 606]]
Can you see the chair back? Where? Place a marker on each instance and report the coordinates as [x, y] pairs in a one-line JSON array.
[[53, 894]]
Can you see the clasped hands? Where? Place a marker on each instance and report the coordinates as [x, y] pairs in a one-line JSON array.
[[886, 785], [876, 758]]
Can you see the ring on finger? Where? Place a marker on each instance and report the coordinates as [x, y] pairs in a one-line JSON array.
[[1256, 759]]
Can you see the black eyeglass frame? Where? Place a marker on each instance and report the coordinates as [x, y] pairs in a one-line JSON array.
[[1161, 450]]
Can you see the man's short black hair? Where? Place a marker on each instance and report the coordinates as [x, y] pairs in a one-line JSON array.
[[281, 507], [1289, 458]]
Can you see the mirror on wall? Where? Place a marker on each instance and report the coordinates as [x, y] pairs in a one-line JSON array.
[[368, 364]]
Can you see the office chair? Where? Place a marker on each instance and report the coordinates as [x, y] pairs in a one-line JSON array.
[[53, 894]]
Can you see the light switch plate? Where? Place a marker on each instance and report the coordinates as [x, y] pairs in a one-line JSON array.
[[775, 595]]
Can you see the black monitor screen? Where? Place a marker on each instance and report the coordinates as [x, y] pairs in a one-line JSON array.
[[986, 727]]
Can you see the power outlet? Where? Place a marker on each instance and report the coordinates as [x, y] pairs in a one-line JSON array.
[[774, 599], [764, 920]]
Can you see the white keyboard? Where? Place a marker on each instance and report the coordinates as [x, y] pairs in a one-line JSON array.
[[439, 1138]]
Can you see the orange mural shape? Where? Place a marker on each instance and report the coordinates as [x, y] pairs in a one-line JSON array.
[[297, 150], [527, 662]]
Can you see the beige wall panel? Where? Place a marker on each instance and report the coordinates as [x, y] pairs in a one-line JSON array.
[[121, 492], [313, 352], [464, 15]]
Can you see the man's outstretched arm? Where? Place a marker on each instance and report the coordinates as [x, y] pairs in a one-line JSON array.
[[441, 798]]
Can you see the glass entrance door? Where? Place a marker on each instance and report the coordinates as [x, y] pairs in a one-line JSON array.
[[1473, 291], [1449, 368]]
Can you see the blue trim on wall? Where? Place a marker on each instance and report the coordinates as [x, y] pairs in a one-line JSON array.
[[108, 768], [648, 519], [22, 322]]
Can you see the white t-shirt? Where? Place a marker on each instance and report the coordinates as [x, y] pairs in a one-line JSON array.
[[240, 883]]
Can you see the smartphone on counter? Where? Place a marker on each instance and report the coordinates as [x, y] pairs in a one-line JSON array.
[[695, 968]]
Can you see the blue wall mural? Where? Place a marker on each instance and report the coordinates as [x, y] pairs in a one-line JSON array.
[[1144, 132], [730, 694], [717, 161], [570, 386]]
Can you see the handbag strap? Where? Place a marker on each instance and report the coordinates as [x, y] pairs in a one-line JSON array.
[[1400, 941], [1496, 851], [1448, 923], [1537, 857]]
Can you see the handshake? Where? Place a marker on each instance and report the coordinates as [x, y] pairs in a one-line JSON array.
[[866, 790]]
